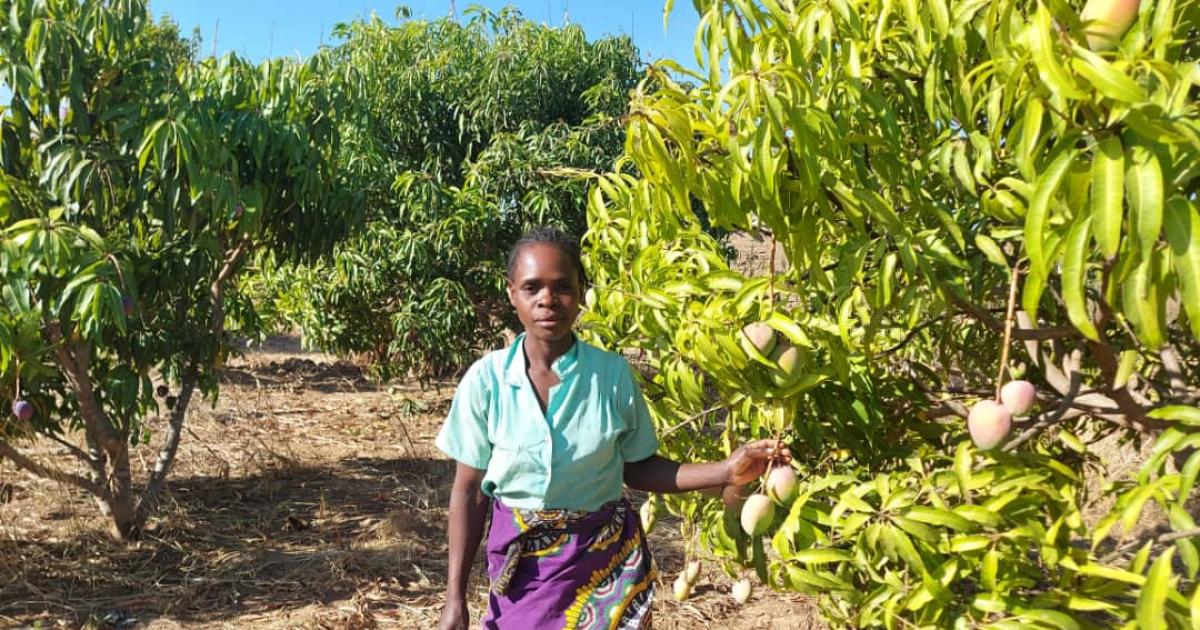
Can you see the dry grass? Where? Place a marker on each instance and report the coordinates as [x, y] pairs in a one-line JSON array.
[[307, 498]]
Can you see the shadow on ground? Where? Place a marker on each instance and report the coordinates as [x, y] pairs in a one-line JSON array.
[[224, 548]]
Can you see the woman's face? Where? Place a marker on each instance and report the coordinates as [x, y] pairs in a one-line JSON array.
[[544, 288]]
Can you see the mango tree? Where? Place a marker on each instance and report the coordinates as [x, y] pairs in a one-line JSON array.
[[136, 181], [963, 193], [462, 135]]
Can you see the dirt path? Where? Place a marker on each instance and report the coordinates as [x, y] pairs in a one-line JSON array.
[[307, 498]]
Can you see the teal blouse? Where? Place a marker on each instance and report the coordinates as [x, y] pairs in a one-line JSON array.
[[570, 457]]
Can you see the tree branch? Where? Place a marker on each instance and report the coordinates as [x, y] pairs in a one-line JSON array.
[[1173, 536], [1060, 381], [74, 366], [1173, 367], [217, 288], [74, 450], [166, 455], [1025, 332], [7, 451], [1133, 409]]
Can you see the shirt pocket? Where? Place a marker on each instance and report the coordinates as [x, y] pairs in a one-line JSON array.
[[517, 459]]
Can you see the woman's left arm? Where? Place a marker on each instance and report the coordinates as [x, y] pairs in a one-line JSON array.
[[659, 474]]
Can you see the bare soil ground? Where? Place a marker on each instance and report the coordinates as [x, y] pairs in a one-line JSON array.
[[306, 498]]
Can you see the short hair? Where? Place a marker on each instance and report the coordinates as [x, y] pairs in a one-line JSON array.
[[554, 237]]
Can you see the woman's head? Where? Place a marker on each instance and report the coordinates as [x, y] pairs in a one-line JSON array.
[[545, 282]]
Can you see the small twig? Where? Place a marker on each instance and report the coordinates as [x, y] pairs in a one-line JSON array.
[[913, 333], [1008, 326], [1173, 536], [1161, 538], [1174, 369], [691, 419]]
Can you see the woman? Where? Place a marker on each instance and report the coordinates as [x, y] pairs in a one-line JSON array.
[[549, 430]]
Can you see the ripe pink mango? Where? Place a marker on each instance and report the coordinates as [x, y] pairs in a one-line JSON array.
[[741, 591], [781, 484], [988, 423], [759, 336], [1107, 20], [1018, 397], [757, 514]]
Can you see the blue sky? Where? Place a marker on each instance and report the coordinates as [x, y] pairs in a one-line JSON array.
[[257, 29]]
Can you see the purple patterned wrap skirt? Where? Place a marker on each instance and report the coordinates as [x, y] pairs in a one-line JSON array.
[[567, 569]]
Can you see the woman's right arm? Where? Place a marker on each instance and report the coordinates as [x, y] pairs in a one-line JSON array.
[[468, 511]]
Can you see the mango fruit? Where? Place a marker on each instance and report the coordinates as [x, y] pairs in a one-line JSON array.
[[1018, 397], [741, 591], [758, 336], [1106, 21], [989, 423], [22, 409], [757, 514], [789, 362], [682, 589], [649, 515], [782, 484]]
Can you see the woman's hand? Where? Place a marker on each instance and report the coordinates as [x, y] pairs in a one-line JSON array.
[[659, 474], [750, 461], [454, 615]]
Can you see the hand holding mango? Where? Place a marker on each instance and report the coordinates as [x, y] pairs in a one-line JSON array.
[[769, 457]]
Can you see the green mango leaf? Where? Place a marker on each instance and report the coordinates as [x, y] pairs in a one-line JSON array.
[[978, 514], [1181, 223], [1151, 605], [960, 544], [1194, 609], [1111, 573], [991, 250], [1038, 217], [1051, 618], [1084, 604], [1187, 476], [758, 558], [1144, 191], [821, 556], [1185, 414], [1142, 303], [1103, 76], [1133, 512], [942, 518], [1125, 368], [1046, 54], [1108, 184], [1074, 278]]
